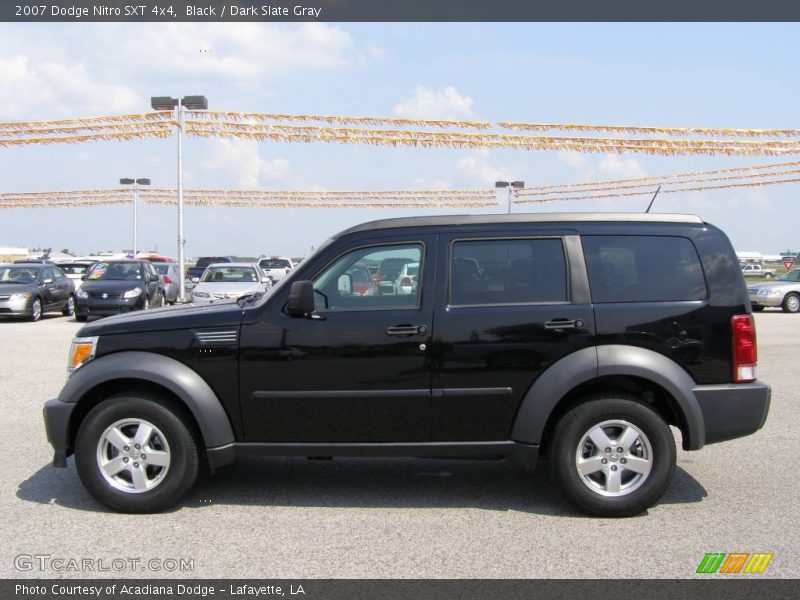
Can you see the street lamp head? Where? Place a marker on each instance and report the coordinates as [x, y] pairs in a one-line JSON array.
[[518, 184], [143, 181], [195, 102], [126, 181], [163, 102], [500, 184]]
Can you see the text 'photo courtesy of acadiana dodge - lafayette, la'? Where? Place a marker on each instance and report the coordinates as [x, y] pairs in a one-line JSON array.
[[290, 302]]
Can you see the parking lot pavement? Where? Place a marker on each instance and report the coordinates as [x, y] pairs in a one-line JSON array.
[[288, 518]]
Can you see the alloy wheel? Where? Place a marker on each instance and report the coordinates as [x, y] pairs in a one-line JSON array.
[[133, 455]]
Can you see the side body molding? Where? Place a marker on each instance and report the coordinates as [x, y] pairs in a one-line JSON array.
[[167, 372], [599, 361], [548, 389]]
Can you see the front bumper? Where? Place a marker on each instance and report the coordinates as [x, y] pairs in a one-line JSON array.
[[56, 423], [763, 300], [111, 306], [733, 410], [15, 308]]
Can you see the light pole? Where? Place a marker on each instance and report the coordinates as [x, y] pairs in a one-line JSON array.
[[510, 186], [136, 183], [178, 105]]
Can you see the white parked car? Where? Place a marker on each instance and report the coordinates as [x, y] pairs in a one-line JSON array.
[[406, 282], [276, 267], [227, 282], [75, 270], [756, 270], [783, 292]]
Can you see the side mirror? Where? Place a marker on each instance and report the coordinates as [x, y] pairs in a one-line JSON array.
[[83, 277], [154, 278], [266, 279], [195, 280], [345, 284], [301, 298]]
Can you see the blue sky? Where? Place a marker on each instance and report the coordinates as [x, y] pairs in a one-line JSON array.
[[705, 75]]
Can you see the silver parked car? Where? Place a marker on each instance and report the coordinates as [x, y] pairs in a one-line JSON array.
[[226, 282], [784, 291], [30, 289], [169, 274]]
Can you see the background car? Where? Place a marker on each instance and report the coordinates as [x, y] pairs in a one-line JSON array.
[[117, 286], [196, 271], [783, 291], [276, 267], [226, 282], [31, 289], [75, 270], [406, 282], [387, 274], [169, 274]]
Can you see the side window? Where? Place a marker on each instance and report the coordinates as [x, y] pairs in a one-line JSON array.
[[508, 271], [376, 277], [48, 274], [643, 269], [58, 275]]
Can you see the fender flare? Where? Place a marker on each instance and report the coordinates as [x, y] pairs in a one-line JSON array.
[[186, 384], [600, 361]]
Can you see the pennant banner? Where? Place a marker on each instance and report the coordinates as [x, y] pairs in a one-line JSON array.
[[676, 131], [238, 116]]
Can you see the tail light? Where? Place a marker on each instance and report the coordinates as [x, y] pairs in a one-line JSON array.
[[745, 348], [406, 281], [167, 279]]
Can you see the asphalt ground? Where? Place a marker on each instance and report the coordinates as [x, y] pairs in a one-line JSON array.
[[393, 518]]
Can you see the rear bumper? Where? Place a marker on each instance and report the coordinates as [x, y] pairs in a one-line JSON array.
[[732, 410], [56, 423]]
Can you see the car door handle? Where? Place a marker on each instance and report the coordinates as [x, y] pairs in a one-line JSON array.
[[563, 324], [407, 330]]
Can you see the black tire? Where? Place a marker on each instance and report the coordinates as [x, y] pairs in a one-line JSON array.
[[69, 307], [758, 309], [183, 465], [80, 318], [569, 433], [791, 303], [36, 309]]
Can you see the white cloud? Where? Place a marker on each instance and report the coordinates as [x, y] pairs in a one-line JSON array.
[[240, 161], [446, 103], [614, 166], [479, 167], [26, 84], [572, 159]]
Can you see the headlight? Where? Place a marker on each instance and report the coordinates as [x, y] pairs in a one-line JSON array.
[[201, 294], [81, 293], [135, 292], [21, 296], [80, 352]]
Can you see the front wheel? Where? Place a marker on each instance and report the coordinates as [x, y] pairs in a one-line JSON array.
[[135, 454], [612, 456], [36, 309], [791, 303]]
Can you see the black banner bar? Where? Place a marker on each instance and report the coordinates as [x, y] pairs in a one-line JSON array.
[[398, 10], [735, 588]]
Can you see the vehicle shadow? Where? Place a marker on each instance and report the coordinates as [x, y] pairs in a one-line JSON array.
[[357, 483]]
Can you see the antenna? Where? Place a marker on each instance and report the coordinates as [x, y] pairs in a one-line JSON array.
[[649, 206]]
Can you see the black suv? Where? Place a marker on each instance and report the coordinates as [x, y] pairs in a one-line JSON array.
[[579, 338]]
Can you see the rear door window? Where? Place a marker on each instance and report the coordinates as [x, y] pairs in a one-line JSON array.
[[507, 271], [643, 269]]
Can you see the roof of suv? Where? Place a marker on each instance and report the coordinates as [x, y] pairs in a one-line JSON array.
[[607, 217]]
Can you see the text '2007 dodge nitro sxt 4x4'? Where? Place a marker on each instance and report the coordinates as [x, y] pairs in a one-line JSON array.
[[577, 337]]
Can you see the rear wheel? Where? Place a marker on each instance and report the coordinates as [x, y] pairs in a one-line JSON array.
[[135, 454], [791, 303], [612, 456], [69, 307]]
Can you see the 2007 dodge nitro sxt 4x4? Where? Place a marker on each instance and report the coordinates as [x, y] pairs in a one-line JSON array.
[[577, 337]]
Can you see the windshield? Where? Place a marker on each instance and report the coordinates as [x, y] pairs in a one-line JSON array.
[[274, 263], [230, 275], [121, 271], [18, 274], [790, 276]]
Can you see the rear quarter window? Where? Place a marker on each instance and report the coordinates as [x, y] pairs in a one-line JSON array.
[[643, 269]]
